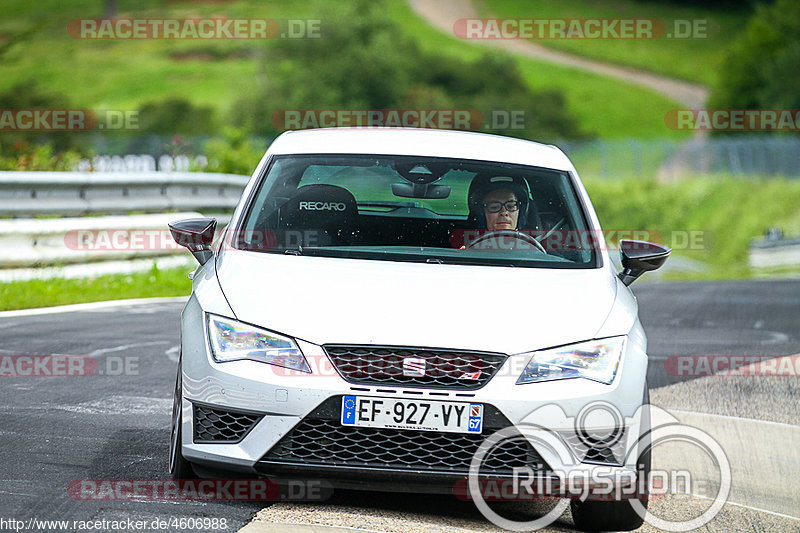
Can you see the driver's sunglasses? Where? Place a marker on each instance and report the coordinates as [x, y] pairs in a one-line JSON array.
[[496, 207]]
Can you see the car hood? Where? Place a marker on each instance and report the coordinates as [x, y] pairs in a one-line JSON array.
[[347, 301]]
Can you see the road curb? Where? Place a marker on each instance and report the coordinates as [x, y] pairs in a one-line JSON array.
[[90, 306], [275, 527]]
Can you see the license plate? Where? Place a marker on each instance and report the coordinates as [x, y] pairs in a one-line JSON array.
[[400, 413]]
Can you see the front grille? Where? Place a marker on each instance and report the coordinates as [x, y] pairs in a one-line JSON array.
[[320, 439], [384, 365], [221, 426]]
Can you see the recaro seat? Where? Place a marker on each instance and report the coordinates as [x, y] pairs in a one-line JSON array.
[[321, 215]]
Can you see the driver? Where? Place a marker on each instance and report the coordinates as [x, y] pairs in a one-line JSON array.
[[501, 209], [497, 203], [486, 194]]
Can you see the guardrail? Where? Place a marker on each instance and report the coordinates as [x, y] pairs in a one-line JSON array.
[[775, 252], [26, 194]]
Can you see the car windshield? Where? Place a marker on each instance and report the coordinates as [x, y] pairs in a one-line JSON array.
[[420, 209]]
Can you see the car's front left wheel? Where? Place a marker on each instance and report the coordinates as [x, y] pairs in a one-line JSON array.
[[179, 467]]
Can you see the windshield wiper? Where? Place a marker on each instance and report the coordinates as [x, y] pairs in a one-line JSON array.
[[294, 251]]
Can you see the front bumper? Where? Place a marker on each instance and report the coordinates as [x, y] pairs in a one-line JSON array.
[[281, 404]]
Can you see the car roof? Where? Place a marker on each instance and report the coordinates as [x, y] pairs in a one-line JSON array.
[[422, 142]]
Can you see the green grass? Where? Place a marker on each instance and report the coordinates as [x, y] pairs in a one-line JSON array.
[[98, 74], [695, 60], [728, 212], [45, 293], [123, 74], [604, 107]]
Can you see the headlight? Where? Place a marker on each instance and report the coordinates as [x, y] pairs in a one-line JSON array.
[[233, 341], [596, 360]]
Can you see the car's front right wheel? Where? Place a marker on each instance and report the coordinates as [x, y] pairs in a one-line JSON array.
[[179, 467], [620, 515]]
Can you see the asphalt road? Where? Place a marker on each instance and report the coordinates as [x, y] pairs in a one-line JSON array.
[[115, 424]]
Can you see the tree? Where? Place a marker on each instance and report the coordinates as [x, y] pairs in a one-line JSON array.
[[761, 69], [364, 60]]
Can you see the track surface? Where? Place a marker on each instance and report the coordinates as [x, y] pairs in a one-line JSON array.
[[54, 430]]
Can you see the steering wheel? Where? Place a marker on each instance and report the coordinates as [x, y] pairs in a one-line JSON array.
[[506, 233]]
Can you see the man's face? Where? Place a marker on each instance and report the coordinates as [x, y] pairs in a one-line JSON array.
[[504, 219]]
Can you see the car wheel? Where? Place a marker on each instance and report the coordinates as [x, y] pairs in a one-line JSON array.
[[179, 467], [618, 515]]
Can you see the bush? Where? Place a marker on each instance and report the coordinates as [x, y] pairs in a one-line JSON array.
[[374, 65], [760, 72], [28, 95], [175, 116], [23, 156], [234, 153]]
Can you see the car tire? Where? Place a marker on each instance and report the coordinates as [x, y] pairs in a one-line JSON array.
[[179, 467], [618, 515]]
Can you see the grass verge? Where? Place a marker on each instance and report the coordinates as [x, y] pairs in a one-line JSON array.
[[693, 59], [604, 107], [708, 219], [124, 74], [50, 292]]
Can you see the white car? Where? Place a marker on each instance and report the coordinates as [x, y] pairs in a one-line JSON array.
[[384, 299]]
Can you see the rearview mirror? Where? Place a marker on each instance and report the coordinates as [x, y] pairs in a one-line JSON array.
[[421, 190], [196, 234], [639, 257]]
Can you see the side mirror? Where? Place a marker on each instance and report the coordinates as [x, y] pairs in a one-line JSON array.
[[196, 234], [639, 257]]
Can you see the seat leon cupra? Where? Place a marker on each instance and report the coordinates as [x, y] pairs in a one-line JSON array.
[[384, 300]]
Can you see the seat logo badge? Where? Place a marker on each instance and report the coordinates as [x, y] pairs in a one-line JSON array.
[[413, 367]]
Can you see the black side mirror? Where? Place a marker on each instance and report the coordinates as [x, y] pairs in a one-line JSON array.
[[196, 234], [639, 257]]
